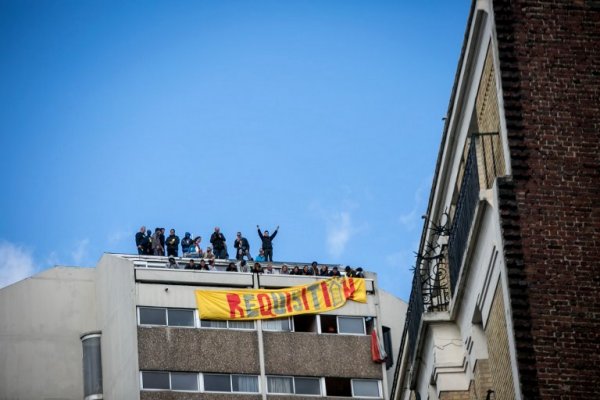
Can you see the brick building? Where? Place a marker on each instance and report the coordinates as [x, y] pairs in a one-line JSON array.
[[505, 300]]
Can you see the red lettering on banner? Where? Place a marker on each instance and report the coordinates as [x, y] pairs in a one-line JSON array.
[[325, 290], [234, 305], [265, 309], [288, 302], [305, 299], [349, 289]]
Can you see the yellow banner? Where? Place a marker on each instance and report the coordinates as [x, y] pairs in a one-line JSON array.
[[249, 304]]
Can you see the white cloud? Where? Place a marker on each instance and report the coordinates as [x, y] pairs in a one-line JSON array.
[[81, 251], [118, 237], [339, 231], [16, 263], [412, 219], [340, 226]]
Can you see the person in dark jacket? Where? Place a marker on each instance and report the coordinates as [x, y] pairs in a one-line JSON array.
[[147, 243], [335, 272], [161, 237], [139, 238], [186, 242], [257, 268], [231, 267], [267, 242], [218, 241], [242, 247], [190, 265], [172, 244]]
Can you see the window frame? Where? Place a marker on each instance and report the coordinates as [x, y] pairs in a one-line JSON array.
[[227, 325], [364, 325], [377, 381], [203, 388], [166, 311], [294, 392]]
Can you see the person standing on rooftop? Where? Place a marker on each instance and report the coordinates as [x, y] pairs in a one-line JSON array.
[[267, 242], [186, 243], [242, 247], [172, 244], [218, 241], [139, 239], [157, 246]]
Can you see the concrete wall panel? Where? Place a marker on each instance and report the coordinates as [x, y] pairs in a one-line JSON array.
[[198, 350], [310, 354]]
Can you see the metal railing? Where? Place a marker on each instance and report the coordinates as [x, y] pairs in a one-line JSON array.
[[463, 217]]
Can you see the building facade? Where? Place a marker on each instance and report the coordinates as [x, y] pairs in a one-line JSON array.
[[130, 329], [505, 303]]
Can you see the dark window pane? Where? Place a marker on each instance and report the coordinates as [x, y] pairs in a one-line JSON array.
[[387, 344], [305, 323], [351, 325], [365, 388], [184, 381], [328, 324], [338, 387], [152, 316], [181, 318], [217, 383], [307, 386], [155, 380]]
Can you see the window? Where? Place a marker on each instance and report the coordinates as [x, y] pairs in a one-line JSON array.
[[280, 384], [307, 386], [293, 385], [217, 383], [345, 387], [240, 324], [92, 364], [342, 325], [277, 324], [217, 324], [166, 316], [387, 345], [188, 381], [353, 325], [184, 381], [155, 380], [328, 324], [230, 383], [153, 316], [338, 387], [305, 323], [365, 388]]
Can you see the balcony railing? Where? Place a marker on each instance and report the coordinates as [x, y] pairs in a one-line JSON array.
[[463, 217]]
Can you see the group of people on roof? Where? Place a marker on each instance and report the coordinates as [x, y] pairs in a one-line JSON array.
[[148, 243], [257, 268]]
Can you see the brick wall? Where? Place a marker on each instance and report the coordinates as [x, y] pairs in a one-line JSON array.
[[482, 379], [498, 350], [456, 395], [550, 68]]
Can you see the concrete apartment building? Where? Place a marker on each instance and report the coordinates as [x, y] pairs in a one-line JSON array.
[[505, 301], [130, 329]]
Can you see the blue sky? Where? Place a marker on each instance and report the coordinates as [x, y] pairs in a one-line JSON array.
[[323, 117]]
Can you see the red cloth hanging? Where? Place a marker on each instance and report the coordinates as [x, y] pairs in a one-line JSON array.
[[378, 353]]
